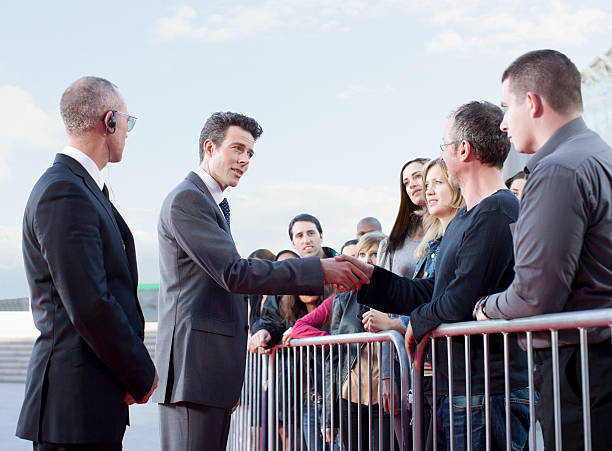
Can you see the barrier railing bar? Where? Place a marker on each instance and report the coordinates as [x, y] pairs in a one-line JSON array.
[[532, 417], [586, 400], [507, 392], [468, 393], [449, 355], [487, 387]]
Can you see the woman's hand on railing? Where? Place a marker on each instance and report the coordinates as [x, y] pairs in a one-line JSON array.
[[375, 321], [386, 399], [329, 434], [258, 341], [287, 337]]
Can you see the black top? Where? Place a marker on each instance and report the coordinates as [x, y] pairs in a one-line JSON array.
[[256, 310], [475, 258]]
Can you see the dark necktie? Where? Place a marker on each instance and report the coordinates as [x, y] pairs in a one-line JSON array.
[[105, 192], [226, 211]]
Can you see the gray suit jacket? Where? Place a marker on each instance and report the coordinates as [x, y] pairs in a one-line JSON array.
[[202, 329]]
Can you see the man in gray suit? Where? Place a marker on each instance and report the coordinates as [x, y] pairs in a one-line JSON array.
[[202, 329]]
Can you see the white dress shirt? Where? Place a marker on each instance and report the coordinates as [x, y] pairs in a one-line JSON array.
[[212, 185], [90, 166]]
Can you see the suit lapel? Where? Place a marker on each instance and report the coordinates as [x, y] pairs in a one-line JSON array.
[[197, 181], [128, 243], [120, 225], [80, 171]]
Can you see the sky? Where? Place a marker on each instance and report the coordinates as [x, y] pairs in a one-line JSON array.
[[346, 92]]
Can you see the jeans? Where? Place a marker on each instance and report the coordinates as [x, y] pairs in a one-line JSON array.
[[312, 436], [519, 417]]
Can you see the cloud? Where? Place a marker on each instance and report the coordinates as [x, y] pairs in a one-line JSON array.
[[486, 27], [24, 124], [241, 21]]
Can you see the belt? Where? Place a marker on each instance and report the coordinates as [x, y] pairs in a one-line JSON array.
[[316, 398]]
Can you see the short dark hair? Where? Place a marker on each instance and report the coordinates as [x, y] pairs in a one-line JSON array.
[[304, 217], [352, 242], [478, 123], [216, 127], [286, 251], [549, 74], [262, 254]]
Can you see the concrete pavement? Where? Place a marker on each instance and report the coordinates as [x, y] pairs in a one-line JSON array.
[[142, 435]]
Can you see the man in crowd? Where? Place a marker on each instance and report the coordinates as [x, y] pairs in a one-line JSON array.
[[474, 259], [202, 327], [368, 224], [563, 239], [89, 362], [306, 235]]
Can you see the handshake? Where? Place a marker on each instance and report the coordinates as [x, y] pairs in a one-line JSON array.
[[346, 273]]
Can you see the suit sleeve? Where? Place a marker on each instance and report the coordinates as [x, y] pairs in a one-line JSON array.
[[194, 225], [484, 255], [67, 227]]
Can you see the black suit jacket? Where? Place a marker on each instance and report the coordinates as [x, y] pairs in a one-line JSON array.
[[81, 268]]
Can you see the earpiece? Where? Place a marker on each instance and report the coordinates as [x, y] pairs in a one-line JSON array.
[[111, 124]]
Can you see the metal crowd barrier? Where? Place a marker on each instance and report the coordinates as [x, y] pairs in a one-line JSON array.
[[273, 399], [543, 324]]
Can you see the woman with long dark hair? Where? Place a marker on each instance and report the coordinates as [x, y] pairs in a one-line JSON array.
[[397, 252]]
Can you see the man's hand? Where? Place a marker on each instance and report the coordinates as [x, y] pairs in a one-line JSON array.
[[387, 393], [479, 310], [411, 343], [346, 273], [257, 343], [287, 337], [129, 399], [329, 434]]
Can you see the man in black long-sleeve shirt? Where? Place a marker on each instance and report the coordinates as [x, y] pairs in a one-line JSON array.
[[475, 258]]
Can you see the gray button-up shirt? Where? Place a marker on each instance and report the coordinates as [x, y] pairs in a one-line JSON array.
[[563, 237]]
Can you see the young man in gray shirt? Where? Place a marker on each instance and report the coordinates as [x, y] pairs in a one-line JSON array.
[[563, 238]]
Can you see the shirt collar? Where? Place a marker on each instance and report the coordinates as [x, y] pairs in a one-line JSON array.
[[573, 127], [211, 184], [90, 166]]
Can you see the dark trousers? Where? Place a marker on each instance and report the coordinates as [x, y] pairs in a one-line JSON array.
[[367, 436], [71, 447], [600, 390], [193, 427]]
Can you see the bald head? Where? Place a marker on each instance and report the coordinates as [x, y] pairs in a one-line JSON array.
[[85, 101], [368, 224]]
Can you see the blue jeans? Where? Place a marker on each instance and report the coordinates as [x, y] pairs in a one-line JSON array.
[[519, 417], [317, 441]]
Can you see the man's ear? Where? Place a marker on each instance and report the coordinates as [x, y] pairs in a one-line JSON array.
[[535, 104], [465, 150], [209, 146]]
